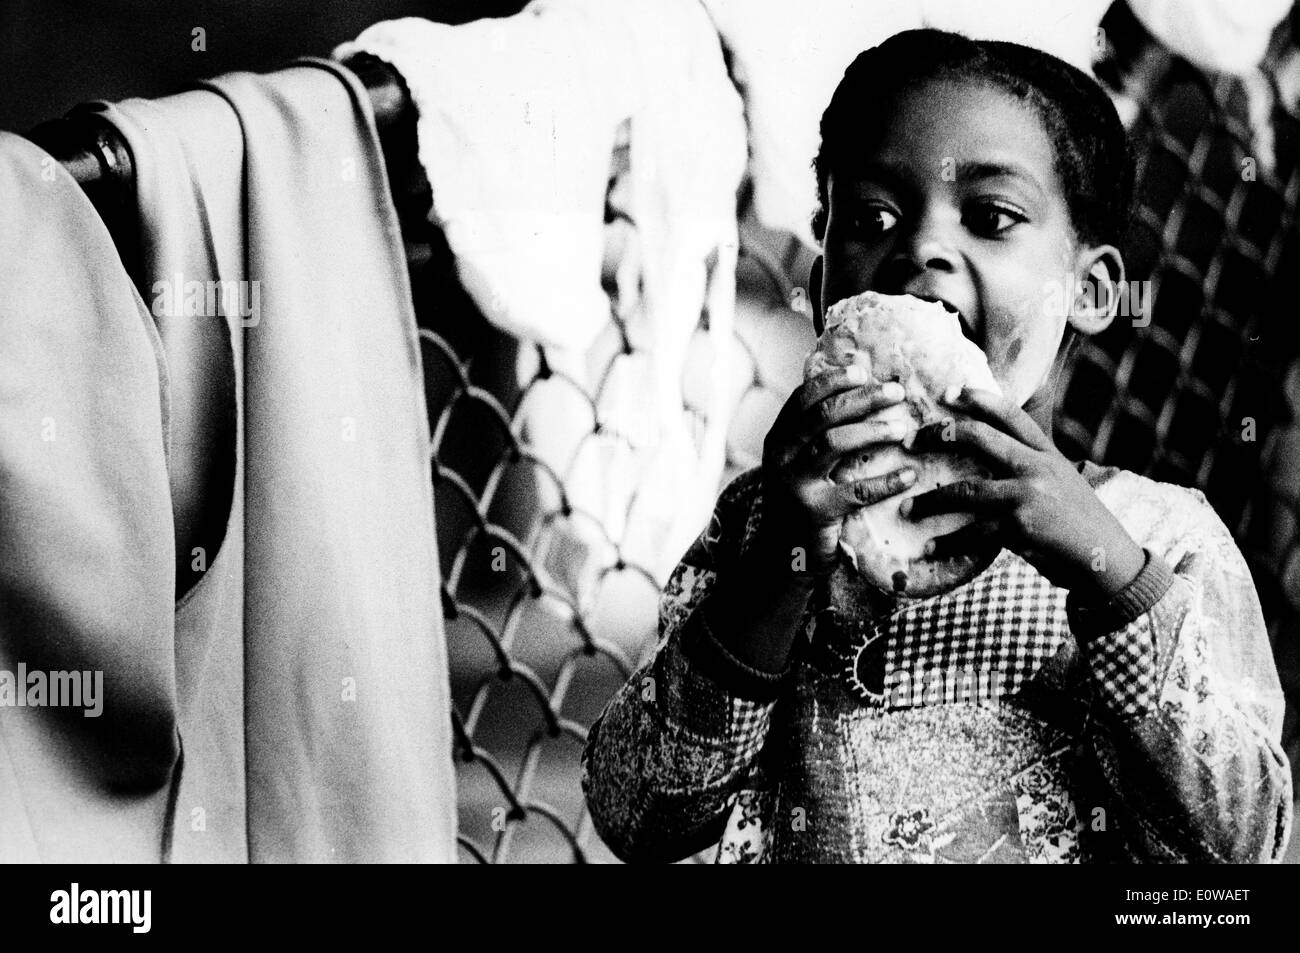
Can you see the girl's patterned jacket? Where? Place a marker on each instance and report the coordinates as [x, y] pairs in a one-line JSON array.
[[999, 722]]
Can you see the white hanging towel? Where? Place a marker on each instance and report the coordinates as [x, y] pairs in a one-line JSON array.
[[519, 118]]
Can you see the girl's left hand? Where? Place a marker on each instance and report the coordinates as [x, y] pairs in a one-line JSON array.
[[1036, 504]]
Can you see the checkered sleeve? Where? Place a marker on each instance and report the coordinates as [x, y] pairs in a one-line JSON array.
[[1124, 667], [676, 744], [1187, 720], [1125, 661]]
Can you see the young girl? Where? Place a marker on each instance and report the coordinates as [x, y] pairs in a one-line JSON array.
[[1104, 691]]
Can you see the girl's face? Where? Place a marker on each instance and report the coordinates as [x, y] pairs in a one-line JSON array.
[[960, 202]]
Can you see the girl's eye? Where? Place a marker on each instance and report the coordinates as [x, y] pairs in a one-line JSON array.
[[873, 221], [990, 220]]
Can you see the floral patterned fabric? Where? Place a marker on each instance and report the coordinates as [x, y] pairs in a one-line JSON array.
[[980, 726]]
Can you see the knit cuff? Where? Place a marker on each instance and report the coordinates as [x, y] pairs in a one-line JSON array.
[[702, 648], [695, 703], [1088, 622]]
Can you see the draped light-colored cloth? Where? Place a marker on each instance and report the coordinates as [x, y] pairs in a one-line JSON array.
[[337, 655], [294, 705], [86, 569]]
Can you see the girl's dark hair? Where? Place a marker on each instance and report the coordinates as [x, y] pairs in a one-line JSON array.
[[1093, 160]]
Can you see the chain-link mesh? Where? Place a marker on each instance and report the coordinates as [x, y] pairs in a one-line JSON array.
[[535, 656]]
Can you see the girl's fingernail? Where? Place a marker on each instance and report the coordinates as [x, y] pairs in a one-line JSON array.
[[952, 394], [905, 508], [892, 390], [907, 478], [856, 373], [928, 549], [909, 439]]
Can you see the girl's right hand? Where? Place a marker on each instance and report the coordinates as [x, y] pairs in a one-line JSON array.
[[825, 418]]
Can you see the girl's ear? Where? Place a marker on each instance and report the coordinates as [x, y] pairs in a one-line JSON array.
[[815, 293], [1100, 282]]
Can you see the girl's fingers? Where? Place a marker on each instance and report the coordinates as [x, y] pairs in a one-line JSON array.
[[1003, 452], [1004, 414], [849, 406], [826, 449], [787, 436], [790, 417], [964, 496], [839, 405], [969, 539], [828, 382], [850, 496]]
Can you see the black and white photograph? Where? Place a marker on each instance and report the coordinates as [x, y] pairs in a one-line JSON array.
[[672, 431]]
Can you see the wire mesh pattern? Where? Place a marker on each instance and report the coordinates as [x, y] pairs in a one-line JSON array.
[[533, 661], [535, 656]]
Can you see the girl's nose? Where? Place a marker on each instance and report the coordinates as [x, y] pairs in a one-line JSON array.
[[934, 254], [928, 244], [924, 248]]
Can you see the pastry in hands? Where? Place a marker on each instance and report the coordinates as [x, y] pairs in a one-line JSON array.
[[919, 344]]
